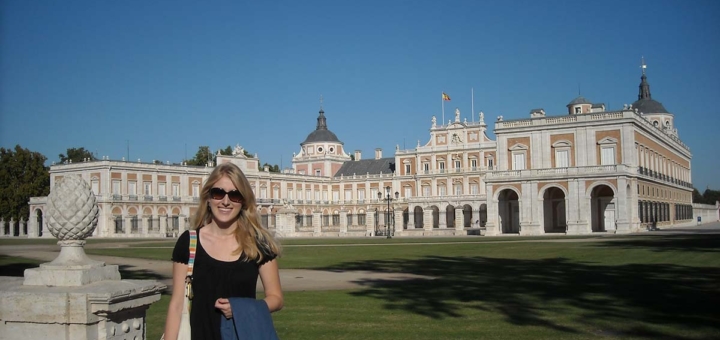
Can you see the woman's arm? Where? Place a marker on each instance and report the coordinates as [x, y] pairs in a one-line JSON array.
[[172, 322], [270, 277]]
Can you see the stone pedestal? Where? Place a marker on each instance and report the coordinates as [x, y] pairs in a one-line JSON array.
[[74, 297]]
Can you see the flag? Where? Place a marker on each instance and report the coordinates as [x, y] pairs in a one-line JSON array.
[[445, 96]]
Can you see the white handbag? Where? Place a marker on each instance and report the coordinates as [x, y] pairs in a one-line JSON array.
[[184, 332]]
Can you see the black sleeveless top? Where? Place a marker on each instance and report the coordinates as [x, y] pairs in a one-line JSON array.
[[214, 279]]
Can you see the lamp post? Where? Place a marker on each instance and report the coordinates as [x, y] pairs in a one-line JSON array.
[[389, 199]]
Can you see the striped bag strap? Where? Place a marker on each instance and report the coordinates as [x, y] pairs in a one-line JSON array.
[[193, 248]]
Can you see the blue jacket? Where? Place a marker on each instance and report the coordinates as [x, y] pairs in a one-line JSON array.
[[251, 321]]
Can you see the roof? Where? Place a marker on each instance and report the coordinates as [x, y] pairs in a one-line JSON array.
[[321, 133], [321, 136], [597, 105], [579, 100], [367, 166], [647, 105]]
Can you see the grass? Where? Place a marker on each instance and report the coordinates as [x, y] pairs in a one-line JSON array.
[[639, 287]]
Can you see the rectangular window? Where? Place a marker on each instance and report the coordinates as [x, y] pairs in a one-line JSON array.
[[441, 190], [491, 163], [458, 189], [348, 195], [407, 169], [336, 196], [325, 195], [132, 188], [426, 191], [442, 167], [361, 219], [317, 196], [373, 193], [607, 155], [308, 196], [408, 192], [147, 188], [426, 167], [518, 161], [473, 164], [361, 195], [317, 172], [95, 186], [196, 190], [176, 189], [457, 164], [473, 189], [562, 159], [161, 189], [290, 194], [263, 192], [276, 193]]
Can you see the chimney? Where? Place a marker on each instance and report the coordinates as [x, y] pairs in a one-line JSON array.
[[357, 155], [378, 153]]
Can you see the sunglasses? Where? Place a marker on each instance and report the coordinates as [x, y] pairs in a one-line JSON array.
[[218, 194]]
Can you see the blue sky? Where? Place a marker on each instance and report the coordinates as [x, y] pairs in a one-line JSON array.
[[168, 76]]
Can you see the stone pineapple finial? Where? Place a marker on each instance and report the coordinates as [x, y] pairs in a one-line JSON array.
[[72, 209]]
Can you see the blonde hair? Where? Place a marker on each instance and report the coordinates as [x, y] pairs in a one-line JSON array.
[[250, 234]]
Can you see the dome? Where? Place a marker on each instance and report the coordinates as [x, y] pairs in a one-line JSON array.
[[649, 106], [321, 133], [645, 103], [579, 100], [321, 136]]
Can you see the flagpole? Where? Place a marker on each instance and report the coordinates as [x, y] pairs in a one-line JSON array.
[[442, 99], [472, 105]]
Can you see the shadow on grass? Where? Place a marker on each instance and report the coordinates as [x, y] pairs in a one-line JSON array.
[[662, 242], [622, 300]]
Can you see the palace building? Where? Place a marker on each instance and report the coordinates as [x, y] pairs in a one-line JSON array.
[[590, 170]]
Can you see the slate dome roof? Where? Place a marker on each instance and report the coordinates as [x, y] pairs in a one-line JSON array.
[[321, 133], [579, 100]]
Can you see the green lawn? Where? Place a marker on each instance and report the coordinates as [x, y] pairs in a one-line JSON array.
[[650, 286]]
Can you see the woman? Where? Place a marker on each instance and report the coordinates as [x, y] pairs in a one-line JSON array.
[[232, 250]]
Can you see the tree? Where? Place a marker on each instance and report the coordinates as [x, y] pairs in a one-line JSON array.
[[76, 155], [711, 196], [271, 168], [227, 151], [696, 197], [23, 175], [202, 157]]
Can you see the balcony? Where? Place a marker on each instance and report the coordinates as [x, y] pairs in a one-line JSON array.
[[132, 198], [148, 198], [162, 198], [557, 173], [176, 198], [117, 197]]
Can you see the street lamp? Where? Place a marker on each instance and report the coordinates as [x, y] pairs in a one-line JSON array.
[[389, 199]]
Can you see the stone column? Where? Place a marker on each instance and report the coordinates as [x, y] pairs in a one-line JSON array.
[[492, 227], [443, 218], [398, 216], [33, 226], [145, 226], [370, 222], [22, 227], [2, 226], [427, 219], [343, 222], [127, 224], [163, 225], [11, 227], [181, 224], [317, 223], [459, 219], [411, 217]]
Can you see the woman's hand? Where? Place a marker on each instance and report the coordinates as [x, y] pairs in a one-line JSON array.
[[224, 306]]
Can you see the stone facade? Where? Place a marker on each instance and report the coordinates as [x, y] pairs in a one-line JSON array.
[[591, 170]]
